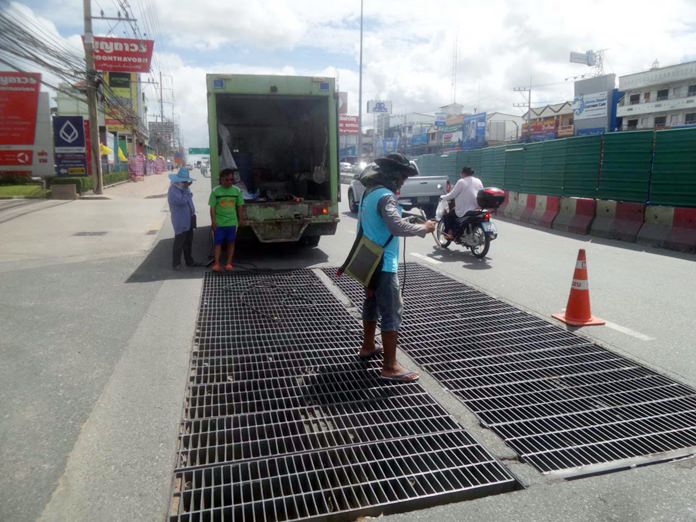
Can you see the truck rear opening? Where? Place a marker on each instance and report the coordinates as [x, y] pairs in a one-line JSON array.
[[280, 144], [282, 132]]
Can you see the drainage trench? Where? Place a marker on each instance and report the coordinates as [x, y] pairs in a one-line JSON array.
[[561, 402], [283, 422]]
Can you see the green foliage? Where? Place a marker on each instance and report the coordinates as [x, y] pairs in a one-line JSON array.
[[82, 183], [23, 191], [115, 177]]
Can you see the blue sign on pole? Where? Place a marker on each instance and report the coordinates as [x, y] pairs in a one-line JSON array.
[[69, 141], [474, 131], [69, 133]]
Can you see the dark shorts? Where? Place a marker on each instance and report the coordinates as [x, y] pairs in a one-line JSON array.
[[225, 235], [385, 303]]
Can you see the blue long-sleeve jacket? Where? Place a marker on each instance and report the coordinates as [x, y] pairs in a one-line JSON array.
[[181, 208]]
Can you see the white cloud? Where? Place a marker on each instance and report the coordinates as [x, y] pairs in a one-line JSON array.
[[408, 46]]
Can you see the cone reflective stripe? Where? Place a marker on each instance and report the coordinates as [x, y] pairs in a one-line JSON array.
[[578, 311]]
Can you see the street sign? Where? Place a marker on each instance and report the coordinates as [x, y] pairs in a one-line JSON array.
[[16, 158], [19, 100], [69, 139], [348, 124], [379, 106], [122, 54], [199, 151]]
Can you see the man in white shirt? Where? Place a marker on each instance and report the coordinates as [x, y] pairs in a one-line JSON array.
[[464, 196]]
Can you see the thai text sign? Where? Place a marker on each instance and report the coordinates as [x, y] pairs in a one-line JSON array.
[[19, 100], [122, 54], [348, 124]]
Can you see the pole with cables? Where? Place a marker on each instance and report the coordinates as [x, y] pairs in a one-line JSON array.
[[359, 151], [93, 155]]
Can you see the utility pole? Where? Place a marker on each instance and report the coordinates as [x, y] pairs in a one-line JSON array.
[[93, 156], [359, 151], [528, 105], [161, 100]]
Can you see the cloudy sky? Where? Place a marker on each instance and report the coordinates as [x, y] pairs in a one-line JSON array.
[[409, 46]]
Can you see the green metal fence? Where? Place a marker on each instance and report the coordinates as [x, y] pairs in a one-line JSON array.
[[673, 181], [626, 162], [658, 167]]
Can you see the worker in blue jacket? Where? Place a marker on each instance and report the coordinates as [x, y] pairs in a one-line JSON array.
[[380, 218], [183, 214]]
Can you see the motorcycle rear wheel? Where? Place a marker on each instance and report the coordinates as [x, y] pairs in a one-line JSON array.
[[481, 249], [440, 234]]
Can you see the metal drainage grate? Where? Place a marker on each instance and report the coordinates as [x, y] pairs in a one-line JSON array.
[[283, 422], [560, 401]]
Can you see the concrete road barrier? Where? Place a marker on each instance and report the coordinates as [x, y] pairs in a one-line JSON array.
[[628, 222], [605, 215], [546, 210], [528, 209], [575, 215], [669, 227], [511, 207]]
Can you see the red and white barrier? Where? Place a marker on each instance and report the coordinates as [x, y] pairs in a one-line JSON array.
[[669, 227], [546, 210], [575, 215], [528, 210]]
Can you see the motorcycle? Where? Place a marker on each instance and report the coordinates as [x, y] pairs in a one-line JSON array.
[[476, 230]]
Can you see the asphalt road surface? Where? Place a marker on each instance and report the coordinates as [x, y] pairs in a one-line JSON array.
[[96, 333]]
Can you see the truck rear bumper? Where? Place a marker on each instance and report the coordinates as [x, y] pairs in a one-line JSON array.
[[287, 231]]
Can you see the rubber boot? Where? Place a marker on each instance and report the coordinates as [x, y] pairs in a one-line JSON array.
[[369, 329]]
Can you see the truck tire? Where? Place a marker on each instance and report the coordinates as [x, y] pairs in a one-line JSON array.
[[352, 204], [310, 241]]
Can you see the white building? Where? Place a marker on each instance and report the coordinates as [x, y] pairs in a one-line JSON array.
[[658, 98], [501, 127]]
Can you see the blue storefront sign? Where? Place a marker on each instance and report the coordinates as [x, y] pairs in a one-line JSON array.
[[419, 139], [390, 145], [69, 141], [590, 132], [474, 131], [347, 151]]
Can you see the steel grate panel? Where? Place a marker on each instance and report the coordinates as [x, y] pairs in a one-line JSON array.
[[557, 399], [278, 400], [362, 479]]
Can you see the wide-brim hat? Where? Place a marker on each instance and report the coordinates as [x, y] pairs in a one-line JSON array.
[[397, 163], [183, 176]]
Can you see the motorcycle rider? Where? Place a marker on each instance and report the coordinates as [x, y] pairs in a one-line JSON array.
[[464, 196]]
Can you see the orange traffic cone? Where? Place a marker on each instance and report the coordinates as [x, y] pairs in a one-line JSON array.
[[578, 311]]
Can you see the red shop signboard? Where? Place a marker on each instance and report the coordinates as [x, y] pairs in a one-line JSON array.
[[122, 54], [19, 100]]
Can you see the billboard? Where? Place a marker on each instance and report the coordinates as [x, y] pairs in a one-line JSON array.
[[342, 103], [440, 119], [379, 106], [124, 94], [474, 131], [122, 54], [348, 124], [70, 142], [19, 101], [594, 105], [419, 139], [390, 145]]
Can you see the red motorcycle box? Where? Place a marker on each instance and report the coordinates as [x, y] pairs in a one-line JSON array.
[[490, 197]]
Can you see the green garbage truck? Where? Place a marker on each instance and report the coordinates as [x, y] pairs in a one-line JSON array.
[[281, 133]]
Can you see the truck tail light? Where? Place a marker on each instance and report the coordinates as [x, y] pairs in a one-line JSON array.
[[320, 211]]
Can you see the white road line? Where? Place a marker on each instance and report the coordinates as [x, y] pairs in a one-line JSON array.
[[426, 258], [628, 331]]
